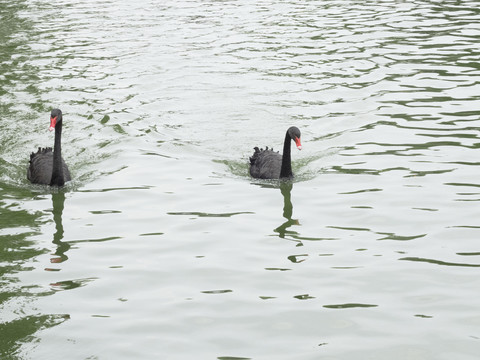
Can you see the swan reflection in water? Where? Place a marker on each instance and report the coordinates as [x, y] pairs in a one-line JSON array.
[[58, 202], [286, 190], [59, 256]]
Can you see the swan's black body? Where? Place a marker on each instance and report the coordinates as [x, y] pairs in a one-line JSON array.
[[268, 164], [46, 166]]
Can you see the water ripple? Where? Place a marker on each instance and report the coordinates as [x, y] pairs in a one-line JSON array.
[[163, 103]]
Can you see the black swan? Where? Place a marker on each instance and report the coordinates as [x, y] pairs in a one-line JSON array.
[[46, 166], [267, 164]]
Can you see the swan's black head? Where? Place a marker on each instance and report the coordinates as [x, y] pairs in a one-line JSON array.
[[55, 118], [295, 135]]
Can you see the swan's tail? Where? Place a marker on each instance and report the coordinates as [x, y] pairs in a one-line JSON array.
[[258, 152], [254, 157], [40, 151]]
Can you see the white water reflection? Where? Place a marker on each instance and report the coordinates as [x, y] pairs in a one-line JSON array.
[[164, 247]]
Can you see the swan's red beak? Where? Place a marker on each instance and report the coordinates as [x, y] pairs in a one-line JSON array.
[[298, 143], [53, 122]]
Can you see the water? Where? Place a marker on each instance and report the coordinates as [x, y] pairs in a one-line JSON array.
[[163, 247]]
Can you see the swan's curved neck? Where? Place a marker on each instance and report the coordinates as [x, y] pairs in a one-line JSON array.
[[57, 171], [286, 170]]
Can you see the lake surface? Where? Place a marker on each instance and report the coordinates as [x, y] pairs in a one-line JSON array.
[[163, 246]]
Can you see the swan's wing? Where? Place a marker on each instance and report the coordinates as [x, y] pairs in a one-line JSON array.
[[41, 164], [265, 164]]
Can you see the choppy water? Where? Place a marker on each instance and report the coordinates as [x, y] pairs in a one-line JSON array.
[[163, 247]]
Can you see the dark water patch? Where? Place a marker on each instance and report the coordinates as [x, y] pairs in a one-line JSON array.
[[277, 269], [466, 196], [417, 173], [21, 331], [455, 135], [143, 187], [424, 316], [203, 214], [295, 236], [235, 167], [102, 212], [470, 163], [404, 148], [304, 297], [349, 306], [152, 234], [439, 262], [464, 184], [70, 284], [18, 249], [215, 292], [153, 153], [396, 237], [359, 191], [468, 200], [297, 258], [109, 238], [384, 235], [348, 228]]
